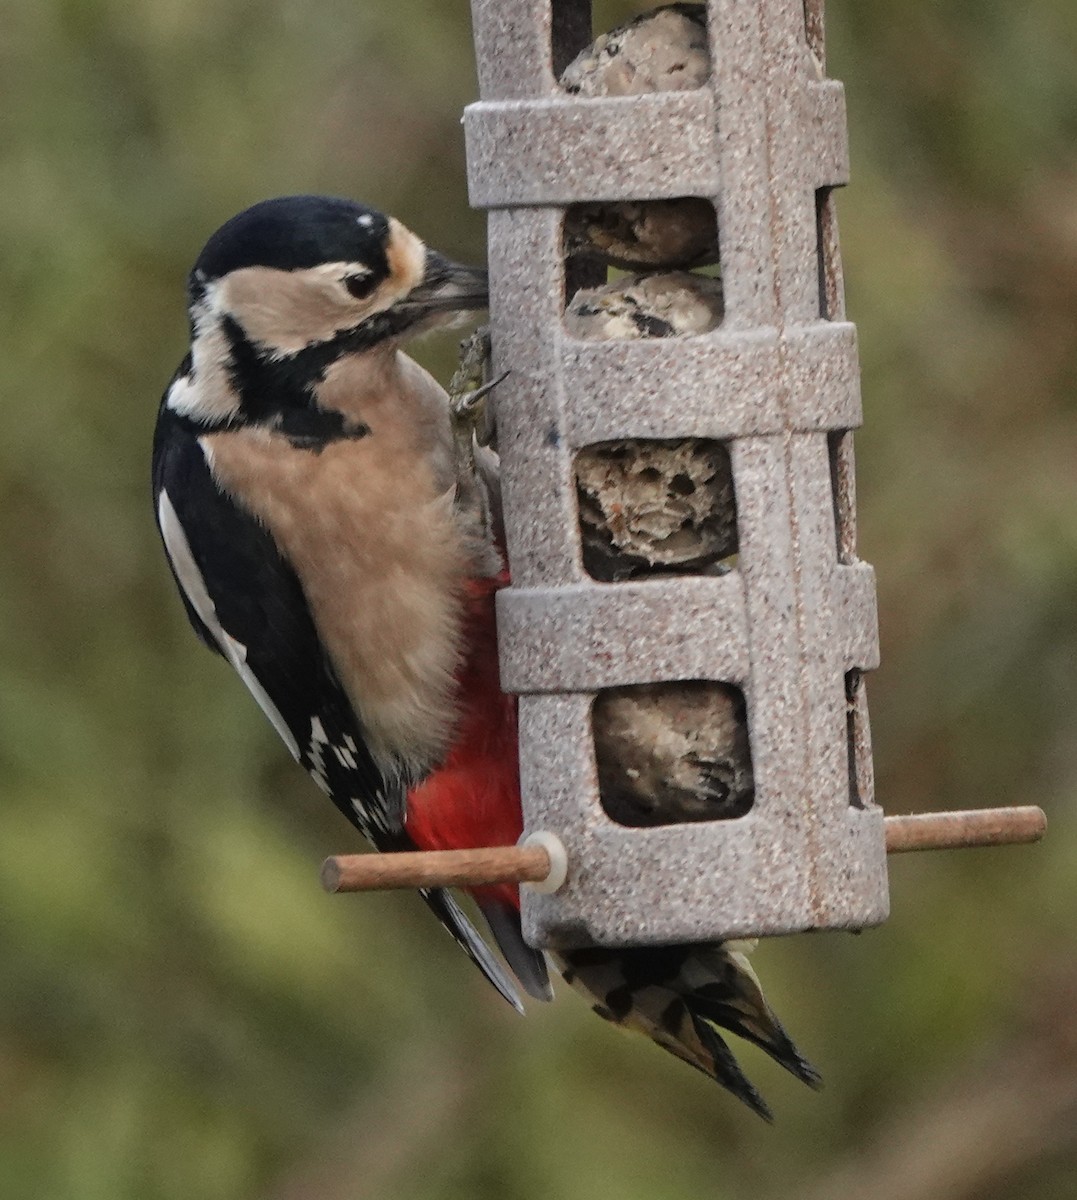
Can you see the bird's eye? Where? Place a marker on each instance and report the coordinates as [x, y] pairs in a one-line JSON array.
[[360, 286]]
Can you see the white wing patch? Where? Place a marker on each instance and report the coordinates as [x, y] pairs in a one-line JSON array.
[[318, 742], [194, 588], [345, 757]]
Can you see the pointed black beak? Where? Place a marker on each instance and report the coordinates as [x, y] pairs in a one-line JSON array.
[[447, 287]]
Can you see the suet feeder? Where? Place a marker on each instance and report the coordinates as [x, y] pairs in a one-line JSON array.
[[786, 624]]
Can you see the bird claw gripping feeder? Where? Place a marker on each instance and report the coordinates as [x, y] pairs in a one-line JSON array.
[[787, 624]]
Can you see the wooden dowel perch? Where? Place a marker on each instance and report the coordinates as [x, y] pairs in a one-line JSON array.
[[435, 868], [531, 864], [960, 830]]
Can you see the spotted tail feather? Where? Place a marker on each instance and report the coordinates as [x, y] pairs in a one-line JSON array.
[[677, 996]]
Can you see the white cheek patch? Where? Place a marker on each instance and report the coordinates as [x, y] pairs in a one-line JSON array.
[[194, 588], [286, 311], [206, 393]]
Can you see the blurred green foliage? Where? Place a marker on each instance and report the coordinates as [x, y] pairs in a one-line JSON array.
[[183, 1013]]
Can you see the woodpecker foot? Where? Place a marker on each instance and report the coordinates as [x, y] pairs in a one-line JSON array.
[[472, 419], [473, 434], [471, 415], [474, 364], [468, 390]]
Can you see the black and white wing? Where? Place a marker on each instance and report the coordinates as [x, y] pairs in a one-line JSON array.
[[247, 604]]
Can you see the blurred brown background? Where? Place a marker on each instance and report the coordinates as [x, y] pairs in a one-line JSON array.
[[183, 1014]]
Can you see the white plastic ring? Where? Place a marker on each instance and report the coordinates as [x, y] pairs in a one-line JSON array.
[[558, 856]]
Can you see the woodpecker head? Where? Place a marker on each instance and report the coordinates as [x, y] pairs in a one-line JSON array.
[[291, 285], [300, 271]]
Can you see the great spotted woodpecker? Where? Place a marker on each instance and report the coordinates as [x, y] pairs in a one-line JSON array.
[[333, 546]]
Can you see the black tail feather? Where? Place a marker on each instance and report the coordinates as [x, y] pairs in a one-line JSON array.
[[775, 1042], [677, 995], [727, 1071], [528, 964]]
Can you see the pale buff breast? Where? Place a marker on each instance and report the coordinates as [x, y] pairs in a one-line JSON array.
[[368, 524]]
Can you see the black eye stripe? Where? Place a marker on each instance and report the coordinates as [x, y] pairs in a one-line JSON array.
[[360, 286]]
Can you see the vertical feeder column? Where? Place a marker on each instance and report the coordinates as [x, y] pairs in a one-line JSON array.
[[794, 624]]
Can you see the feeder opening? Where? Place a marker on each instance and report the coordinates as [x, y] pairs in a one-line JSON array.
[[673, 753], [640, 235], [813, 29], [843, 486], [857, 733], [831, 297], [638, 306], [660, 49], [570, 31], [650, 508]]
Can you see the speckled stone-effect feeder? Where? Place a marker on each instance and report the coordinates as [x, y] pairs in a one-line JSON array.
[[793, 624]]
